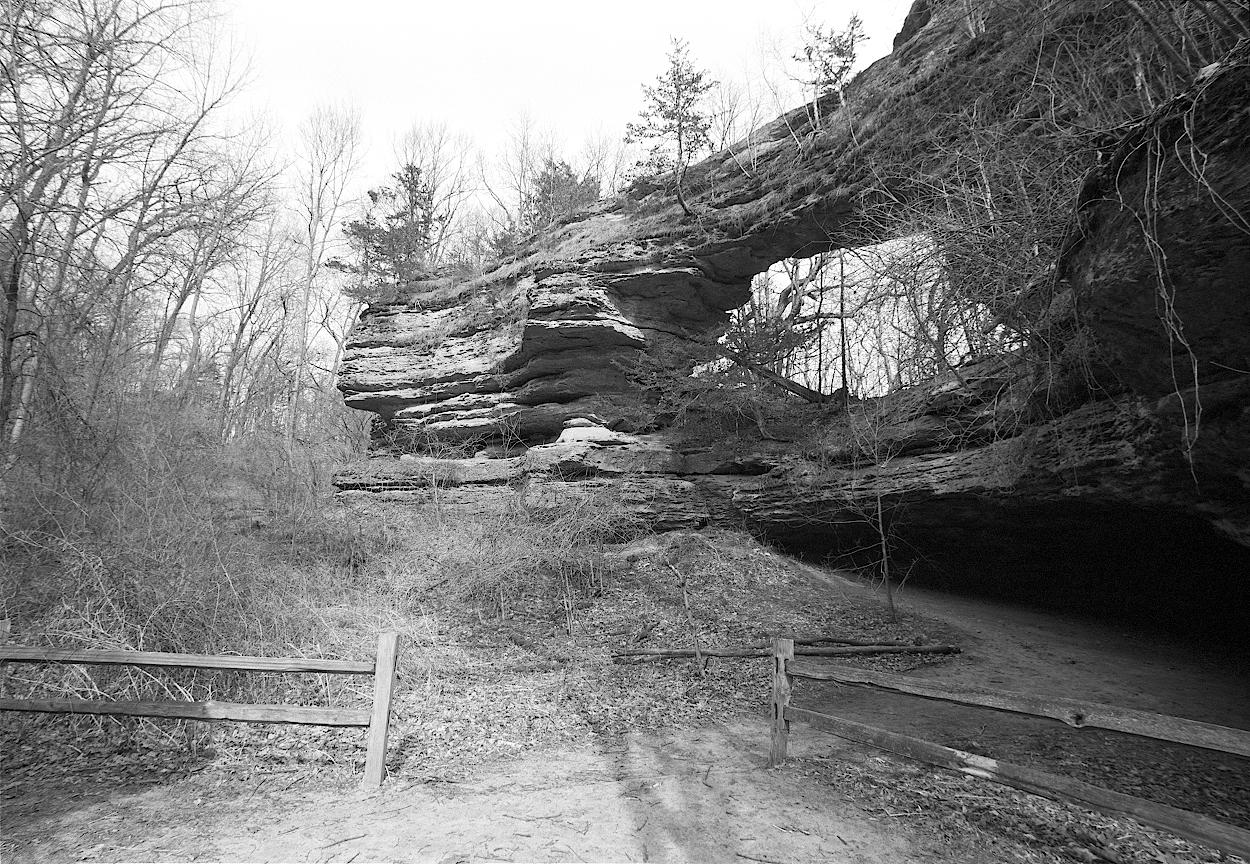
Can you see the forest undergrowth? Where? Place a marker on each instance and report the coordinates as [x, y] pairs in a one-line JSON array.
[[508, 618]]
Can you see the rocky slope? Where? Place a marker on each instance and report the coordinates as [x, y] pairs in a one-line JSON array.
[[1117, 480]]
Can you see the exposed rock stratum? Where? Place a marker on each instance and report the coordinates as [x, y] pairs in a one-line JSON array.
[[1134, 483]]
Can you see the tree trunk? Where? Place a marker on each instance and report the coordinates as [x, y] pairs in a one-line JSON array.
[[11, 274], [846, 385], [769, 375]]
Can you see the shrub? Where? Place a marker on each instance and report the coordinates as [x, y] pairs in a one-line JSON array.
[[161, 538]]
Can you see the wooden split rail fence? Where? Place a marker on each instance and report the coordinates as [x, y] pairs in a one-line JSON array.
[[1076, 713], [377, 719]]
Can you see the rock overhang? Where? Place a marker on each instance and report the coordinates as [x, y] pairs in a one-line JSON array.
[[637, 276]]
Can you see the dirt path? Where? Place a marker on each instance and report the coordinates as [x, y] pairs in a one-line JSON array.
[[1018, 648], [699, 795], [703, 794], [1041, 652]]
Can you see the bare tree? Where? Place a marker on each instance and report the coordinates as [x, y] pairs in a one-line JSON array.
[[326, 160], [234, 203], [443, 160], [106, 113], [606, 157], [509, 180], [250, 329], [533, 183]]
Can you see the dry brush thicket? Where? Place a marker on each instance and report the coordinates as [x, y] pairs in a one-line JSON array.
[[162, 325]]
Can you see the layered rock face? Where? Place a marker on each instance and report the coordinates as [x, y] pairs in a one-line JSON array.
[[1135, 482], [551, 346], [544, 338]]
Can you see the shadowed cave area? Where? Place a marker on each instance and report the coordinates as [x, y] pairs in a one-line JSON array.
[[1148, 569]]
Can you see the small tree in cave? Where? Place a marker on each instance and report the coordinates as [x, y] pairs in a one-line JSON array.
[[673, 117], [868, 430]]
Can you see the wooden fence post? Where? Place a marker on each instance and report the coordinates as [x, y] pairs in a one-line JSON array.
[[783, 652], [380, 721], [4, 667]]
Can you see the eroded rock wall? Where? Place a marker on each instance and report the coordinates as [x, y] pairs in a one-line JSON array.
[[979, 474], [544, 337]]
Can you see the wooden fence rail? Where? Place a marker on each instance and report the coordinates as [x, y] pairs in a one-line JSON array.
[[377, 719], [1191, 826], [28, 654], [843, 651], [1074, 712]]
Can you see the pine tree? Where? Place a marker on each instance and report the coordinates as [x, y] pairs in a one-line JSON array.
[[556, 192], [391, 244], [673, 118]]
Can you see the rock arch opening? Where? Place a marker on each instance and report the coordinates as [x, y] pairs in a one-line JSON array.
[[865, 321]]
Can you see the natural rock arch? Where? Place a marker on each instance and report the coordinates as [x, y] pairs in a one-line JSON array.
[[512, 356]]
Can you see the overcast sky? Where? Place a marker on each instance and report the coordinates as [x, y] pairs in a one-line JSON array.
[[575, 67]]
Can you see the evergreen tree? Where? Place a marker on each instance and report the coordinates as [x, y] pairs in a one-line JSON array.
[[673, 117], [391, 244], [556, 192]]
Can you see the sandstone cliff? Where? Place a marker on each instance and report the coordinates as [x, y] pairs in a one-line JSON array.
[[1125, 473]]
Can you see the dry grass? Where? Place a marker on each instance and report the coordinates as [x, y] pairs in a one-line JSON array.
[[543, 673], [167, 540], [509, 621], [508, 617]]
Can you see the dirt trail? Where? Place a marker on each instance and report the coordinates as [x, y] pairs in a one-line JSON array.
[[1045, 653], [703, 794], [1017, 648], [696, 795]]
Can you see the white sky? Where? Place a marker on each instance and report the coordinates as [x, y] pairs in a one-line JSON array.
[[576, 68]]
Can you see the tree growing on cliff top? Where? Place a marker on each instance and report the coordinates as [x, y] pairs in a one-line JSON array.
[[673, 117], [555, 193], [391, 244], [829, 56]]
